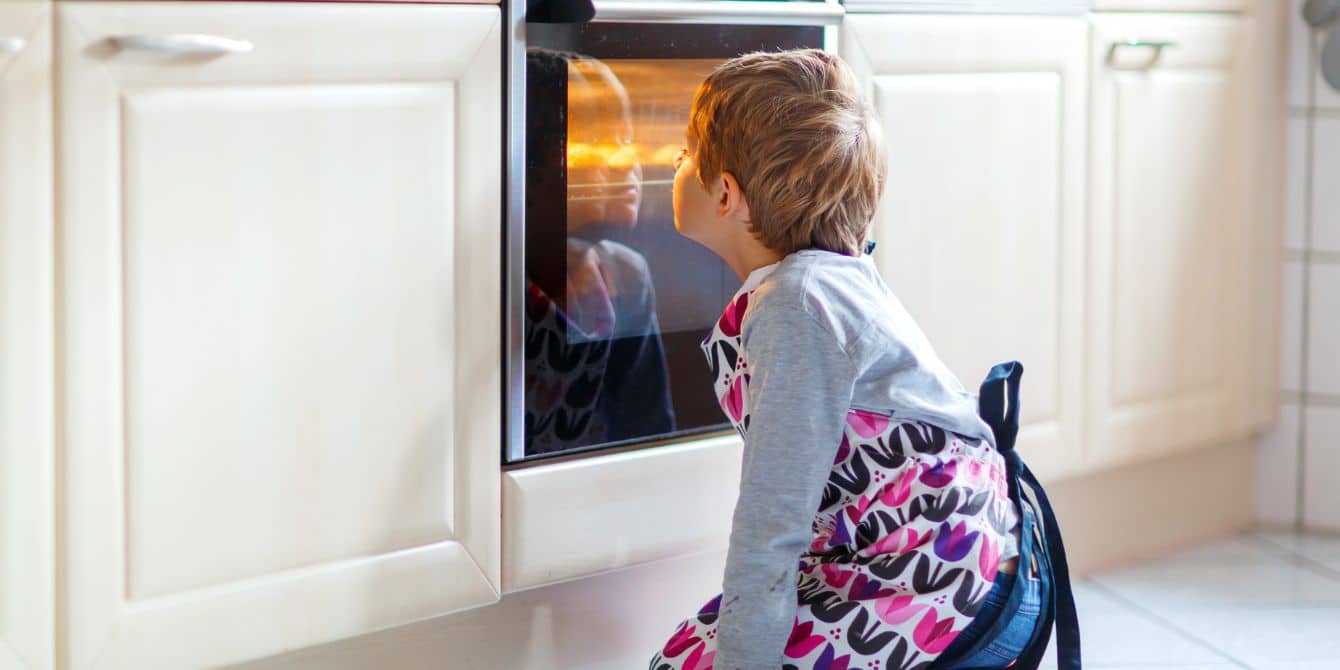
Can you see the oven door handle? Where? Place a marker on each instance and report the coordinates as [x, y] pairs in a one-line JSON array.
[[719, 11], [559, 11]]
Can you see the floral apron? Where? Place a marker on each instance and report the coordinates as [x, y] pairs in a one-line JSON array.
[[905, 546]]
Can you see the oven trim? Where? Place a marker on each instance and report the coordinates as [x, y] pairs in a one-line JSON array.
[[827, 14], [514, 251]]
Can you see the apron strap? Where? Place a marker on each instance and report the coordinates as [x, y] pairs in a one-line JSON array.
[[998, 405], [1062, 596]]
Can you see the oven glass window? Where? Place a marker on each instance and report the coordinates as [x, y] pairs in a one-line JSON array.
[[617, 302]]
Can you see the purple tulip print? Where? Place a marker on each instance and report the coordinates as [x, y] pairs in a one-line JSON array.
[[953, 543]]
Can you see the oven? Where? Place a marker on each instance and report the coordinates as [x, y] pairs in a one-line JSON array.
[[605, 303]]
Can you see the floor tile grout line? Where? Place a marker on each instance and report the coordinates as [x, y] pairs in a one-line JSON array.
[[1323, 112], [1305, 290], [1322, 257], [1298, 398], [1161, 666], [1156, 666], [1317, 533], [1135, 608], [1323, 605], [1300, 559]]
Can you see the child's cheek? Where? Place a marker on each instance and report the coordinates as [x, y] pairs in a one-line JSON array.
[[677, 201]]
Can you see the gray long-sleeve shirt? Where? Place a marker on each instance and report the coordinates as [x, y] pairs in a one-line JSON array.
[[823, 334]]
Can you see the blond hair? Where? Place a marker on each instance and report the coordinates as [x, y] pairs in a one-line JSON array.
[[801, 140]]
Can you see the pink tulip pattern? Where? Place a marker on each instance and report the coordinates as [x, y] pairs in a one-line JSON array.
[[733, 318], [867, 424], [933, 634], [803, 640], [895, 610], [733, 401], [684, 639]]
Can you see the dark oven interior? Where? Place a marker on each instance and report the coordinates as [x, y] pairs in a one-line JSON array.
[[616, 301]]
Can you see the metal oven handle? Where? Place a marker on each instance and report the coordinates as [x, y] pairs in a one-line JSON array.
[[719, 11], [559, 11]]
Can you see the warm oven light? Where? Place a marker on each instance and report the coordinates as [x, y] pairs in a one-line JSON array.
[[609, 154]]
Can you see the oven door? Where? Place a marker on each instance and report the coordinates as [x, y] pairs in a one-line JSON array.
[[607, 303]]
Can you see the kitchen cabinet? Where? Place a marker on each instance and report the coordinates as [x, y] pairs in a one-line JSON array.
[[1170, 218], [26, 324], [981, 230], [279, 295]]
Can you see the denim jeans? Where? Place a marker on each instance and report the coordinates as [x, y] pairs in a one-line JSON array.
[[1016, 635]]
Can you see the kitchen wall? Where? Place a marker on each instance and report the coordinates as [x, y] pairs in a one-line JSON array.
[[1299, 462]]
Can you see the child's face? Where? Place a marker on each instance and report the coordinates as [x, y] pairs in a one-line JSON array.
[[694, 211]]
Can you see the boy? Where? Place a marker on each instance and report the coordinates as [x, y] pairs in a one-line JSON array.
[[874, 522]]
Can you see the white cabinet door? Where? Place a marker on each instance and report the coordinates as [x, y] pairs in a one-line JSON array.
[[1167, 314], [981, 230], [26, 363], [279, 289]]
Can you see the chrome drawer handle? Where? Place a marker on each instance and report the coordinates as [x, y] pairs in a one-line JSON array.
[[193, 45], [12, 45], [1157, 45]]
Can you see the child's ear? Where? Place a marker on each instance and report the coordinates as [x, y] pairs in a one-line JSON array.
[[731, 202]]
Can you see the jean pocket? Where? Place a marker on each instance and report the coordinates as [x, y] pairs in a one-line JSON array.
[[996, 600], [1015, 636]]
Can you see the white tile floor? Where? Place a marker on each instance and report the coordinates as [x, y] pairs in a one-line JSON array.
[[1261, 601]]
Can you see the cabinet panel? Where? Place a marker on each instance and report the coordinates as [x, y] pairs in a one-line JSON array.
[[26, 326], [983, 124], [1168, 236], [282, 348], [269, 316]]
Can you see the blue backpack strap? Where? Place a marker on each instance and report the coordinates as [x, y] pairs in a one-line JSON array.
[[1063, 597], [998, 405]]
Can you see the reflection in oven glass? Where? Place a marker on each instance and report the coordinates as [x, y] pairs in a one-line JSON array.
[[616, 300]]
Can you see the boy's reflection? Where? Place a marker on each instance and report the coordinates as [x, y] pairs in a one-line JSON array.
[[595, 368]]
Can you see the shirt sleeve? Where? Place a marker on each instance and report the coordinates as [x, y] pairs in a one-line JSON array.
[[800, 388]]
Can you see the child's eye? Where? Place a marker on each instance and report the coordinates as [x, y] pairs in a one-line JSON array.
[[679, 157]]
